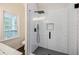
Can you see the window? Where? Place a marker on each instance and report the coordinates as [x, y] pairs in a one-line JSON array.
[[10, 25]]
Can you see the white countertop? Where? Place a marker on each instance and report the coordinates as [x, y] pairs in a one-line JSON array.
[[7, 50]]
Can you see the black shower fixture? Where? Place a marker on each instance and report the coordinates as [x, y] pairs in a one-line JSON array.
[[40, 12], [76, 5]]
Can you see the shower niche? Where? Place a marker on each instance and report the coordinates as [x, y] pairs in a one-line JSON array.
[[50, 26]]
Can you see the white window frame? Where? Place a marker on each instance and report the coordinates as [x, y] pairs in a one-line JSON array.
[[18, 27]]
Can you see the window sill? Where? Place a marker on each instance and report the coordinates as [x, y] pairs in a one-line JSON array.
[[9, 39], [12, 38]]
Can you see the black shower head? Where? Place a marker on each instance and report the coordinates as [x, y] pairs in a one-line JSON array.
[[76, 5], [40, 12]]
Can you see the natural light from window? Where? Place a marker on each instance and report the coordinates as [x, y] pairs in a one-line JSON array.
[[10, 25]]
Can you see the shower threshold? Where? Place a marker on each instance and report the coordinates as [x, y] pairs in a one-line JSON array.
[[44, 51]]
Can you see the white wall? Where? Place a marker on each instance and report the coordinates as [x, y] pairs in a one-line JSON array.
[[72, 15], [72, 24], [57, 14], [78, 28], [52, 6]]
